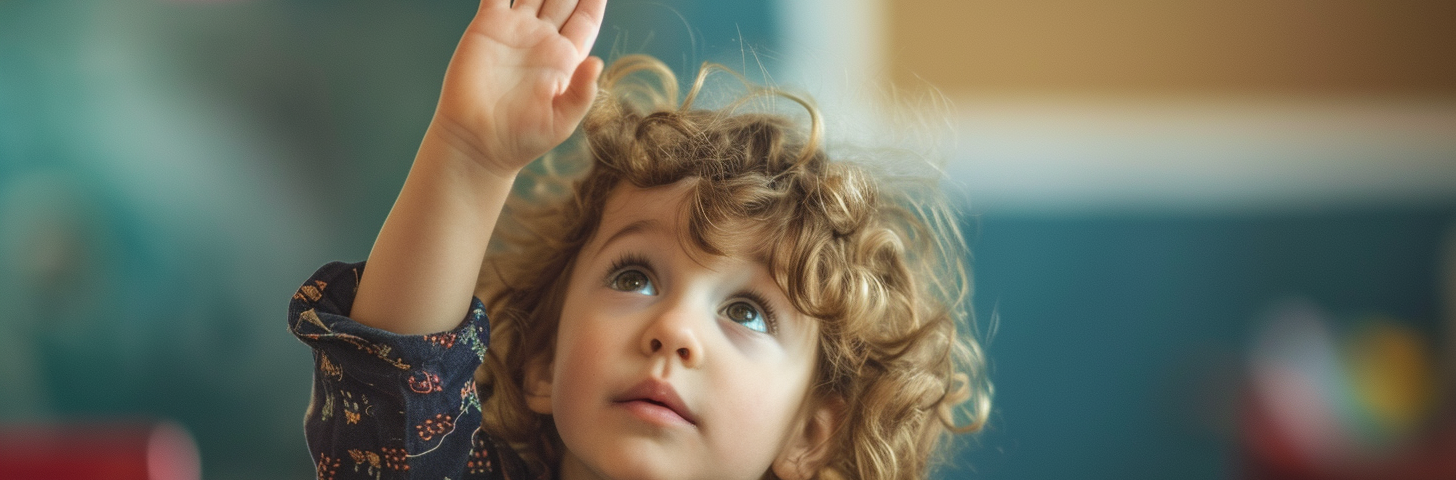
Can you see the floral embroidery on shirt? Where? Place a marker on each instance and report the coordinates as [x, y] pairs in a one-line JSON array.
[[479, 457], [468, 397], [327, 467], [310, 317], [354, 409], [423, 382], [368, 460], [327, 410], [311, 293], [395, 459], [446, 339], [474, 337], [375, 406], [438, 425], [329, 368]]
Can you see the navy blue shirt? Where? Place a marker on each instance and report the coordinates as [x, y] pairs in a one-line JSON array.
[[389, 406]]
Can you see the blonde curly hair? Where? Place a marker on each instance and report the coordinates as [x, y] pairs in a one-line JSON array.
[[881, 265]]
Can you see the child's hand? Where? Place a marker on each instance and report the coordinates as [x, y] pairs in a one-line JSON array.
[[517, 86], [520, 81]]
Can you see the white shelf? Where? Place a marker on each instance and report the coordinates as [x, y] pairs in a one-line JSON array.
[[1056, 154]]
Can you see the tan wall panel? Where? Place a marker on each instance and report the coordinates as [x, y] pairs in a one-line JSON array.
[[1172, 46]]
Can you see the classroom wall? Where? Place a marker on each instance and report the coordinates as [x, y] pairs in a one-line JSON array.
[[170, 171], [1152, 185]]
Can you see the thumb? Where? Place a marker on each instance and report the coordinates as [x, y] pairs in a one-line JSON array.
[[574, 102]]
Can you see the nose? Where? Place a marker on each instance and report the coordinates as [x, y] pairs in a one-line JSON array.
[[673, 333]]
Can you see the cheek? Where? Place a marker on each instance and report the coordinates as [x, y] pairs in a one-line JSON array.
[[583, 359], [762, 404], [575, 345]]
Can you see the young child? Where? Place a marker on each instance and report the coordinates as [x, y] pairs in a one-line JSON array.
[[712, 298]]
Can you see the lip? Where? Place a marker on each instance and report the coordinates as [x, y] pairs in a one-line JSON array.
[[651, 397]]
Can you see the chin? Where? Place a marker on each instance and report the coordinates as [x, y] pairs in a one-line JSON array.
[[639, 469], [638, 464]]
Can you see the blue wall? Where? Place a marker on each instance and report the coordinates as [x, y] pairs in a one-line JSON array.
[[1119, 350]]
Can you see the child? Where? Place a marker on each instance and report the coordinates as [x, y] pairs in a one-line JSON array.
[[713, 298]]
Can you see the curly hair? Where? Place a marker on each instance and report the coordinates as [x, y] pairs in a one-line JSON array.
[[879, 263]]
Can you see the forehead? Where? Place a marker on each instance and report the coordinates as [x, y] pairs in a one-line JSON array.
[[631, 209], [628, 205]]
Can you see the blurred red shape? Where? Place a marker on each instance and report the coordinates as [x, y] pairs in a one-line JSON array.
[[100, 450], [1269, 453]]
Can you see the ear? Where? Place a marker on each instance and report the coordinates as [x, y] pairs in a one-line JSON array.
[[537, 388], [808, 448]]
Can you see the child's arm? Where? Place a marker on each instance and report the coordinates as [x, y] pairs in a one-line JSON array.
[[519, 83]]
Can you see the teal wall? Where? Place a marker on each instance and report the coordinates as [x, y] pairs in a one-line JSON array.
[[1122, 340], [170, 171]]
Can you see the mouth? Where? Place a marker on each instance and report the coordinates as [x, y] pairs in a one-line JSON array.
[[656, 401]]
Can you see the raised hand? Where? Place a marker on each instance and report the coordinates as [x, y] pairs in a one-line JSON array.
[[520, 80], [519, 83]]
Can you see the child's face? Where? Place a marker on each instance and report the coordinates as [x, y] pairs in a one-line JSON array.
[[644, 322]]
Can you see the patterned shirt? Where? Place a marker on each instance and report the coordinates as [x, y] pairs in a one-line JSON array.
[[389, 406]]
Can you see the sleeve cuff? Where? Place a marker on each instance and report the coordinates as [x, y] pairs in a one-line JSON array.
[[318, 316]]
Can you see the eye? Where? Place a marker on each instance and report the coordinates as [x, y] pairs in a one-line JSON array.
[[632, 281], [746, 314]]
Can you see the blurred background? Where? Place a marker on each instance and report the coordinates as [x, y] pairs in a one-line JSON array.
[[1211, 239]]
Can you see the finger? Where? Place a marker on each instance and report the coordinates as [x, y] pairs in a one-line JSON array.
[[528, 6], [556, 12], [573, 104], [581, 29]]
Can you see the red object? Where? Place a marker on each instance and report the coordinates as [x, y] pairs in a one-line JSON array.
[[107, 450], [1270, 454]]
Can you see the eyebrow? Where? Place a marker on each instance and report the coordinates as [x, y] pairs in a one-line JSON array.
[[639, 226], [652, 225]]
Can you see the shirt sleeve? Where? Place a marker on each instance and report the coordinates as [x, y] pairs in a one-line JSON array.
[[386, 405]]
